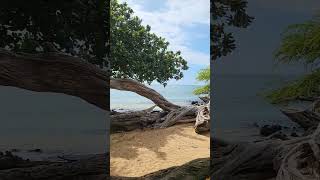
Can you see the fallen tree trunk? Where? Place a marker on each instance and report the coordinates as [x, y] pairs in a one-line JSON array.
[[296, 159], [90, 168], [305, 118], [128, 121]]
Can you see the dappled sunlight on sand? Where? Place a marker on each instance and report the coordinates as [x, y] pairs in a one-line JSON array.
[[141, 152]]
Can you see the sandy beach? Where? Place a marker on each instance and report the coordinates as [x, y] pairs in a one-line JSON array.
[[140, 152]]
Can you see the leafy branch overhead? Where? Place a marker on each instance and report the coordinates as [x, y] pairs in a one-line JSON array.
[[203, 75], [225, 14], [138, 53], [75, 27], [300, 43], [81, 28]]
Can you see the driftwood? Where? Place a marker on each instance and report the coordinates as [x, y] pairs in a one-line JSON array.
[[61, 73], [94, 167], [129, 121], [203, 119], [295, 159]]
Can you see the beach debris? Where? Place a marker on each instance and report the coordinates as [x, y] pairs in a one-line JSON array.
[[267, 130], [294, 159], [35, 150]]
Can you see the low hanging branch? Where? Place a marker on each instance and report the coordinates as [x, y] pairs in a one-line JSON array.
[[60, 73], [143, 90], [55, 72]]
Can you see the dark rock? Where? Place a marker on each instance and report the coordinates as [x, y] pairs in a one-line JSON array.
[[267, 130], [205, 99], [294, 134], [256, 125], [35, 150], [163, 114], [194, 102], [15, 150], [280, 135]]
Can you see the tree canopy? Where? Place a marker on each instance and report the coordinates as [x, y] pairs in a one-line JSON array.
[[138, 53], [82, 28], [226, 14], [76, 27], [300, 43]]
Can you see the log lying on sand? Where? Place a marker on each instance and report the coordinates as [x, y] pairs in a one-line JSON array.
[[90, 168], [295, 159], [128, 121]]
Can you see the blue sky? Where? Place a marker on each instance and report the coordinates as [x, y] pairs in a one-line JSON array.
[[185, 24]]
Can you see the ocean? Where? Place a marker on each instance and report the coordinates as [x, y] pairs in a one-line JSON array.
[[239, 103], [178, 94], [61, 124], [57, 124]]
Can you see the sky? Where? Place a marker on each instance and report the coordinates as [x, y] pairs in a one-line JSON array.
[[257, 43], [186, 26]]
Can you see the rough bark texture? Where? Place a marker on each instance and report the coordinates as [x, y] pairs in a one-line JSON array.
[[90, 168], [60, 73], [133, 120], [295, 159], [54, 72], [129, 121], [139, 88]]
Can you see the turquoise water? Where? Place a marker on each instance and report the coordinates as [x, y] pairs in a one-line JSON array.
[[178, 94]]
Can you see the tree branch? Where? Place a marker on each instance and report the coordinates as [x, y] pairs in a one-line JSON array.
[[54, 72]]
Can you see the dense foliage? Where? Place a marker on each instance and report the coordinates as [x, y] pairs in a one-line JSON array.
[[76, 27], [226, 14], [300, 43], [203, 75], [137, 52], [81, 28], [307, 87]]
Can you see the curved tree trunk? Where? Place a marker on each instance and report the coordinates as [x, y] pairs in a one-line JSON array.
[[60, 73], [141, 89], [54, 72]]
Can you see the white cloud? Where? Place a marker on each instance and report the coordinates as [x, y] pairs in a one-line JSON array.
[[171, 21]]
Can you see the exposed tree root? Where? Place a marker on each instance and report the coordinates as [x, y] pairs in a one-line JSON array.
[[128, 121], [296, 159]]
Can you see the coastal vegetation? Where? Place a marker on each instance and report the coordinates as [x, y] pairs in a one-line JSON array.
[[300, 44], [203, 75], [276, 157]]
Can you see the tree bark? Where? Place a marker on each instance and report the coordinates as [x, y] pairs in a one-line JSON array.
[[143, 90], [295, 159], [54, 72], [60, 73], [89, 168]]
